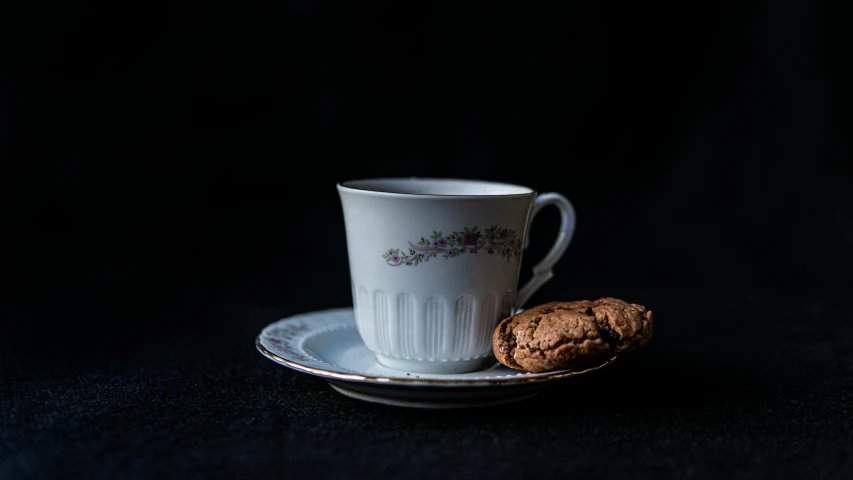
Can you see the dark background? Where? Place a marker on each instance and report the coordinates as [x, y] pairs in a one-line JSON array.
[[169, 177]]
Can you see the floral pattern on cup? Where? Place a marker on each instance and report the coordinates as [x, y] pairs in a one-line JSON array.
[[498, 241]]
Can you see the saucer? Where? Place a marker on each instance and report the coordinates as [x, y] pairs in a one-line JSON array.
[[326, 344]]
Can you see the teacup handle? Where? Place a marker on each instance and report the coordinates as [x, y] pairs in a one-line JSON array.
[[542, 271]]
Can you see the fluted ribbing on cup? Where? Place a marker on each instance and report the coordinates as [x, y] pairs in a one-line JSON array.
[[364, 318], [382, 321], [406, 325], [435, 328], [464, 334], [488, 316], [434, 315]]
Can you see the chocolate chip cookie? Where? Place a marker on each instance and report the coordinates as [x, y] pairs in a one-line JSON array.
[[564, 335]]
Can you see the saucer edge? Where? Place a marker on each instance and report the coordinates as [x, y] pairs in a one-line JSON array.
[[380, 380]]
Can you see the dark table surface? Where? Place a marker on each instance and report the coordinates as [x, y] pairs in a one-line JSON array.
[[735, 385]]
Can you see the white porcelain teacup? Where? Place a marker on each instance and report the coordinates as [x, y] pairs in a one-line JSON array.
[[434, 265]]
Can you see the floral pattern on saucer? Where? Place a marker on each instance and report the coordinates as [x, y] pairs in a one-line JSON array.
[[279, 339]]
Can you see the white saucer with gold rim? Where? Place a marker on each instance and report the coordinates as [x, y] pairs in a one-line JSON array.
[[326, 344]]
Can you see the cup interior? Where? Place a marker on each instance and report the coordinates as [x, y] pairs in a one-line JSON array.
[[437, 186]]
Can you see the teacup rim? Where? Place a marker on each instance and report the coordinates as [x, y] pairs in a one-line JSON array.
[[346, 185]]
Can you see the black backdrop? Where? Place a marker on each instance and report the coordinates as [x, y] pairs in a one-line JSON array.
[[170, 173]]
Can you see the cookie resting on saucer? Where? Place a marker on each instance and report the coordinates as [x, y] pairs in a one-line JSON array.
[[570, 335]]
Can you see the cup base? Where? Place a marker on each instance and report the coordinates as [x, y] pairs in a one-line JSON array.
[[434, 366]]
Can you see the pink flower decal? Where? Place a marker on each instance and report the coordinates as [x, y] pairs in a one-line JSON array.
[[470, 238]]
